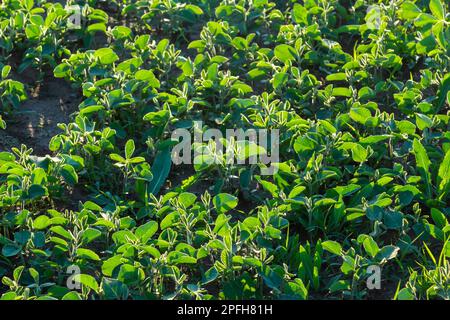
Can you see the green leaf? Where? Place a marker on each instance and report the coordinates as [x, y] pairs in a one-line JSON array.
[[285, 53], [444, 177], [89, 205], [374, 139], [41, 222], [106, 56], [28, 4], [90, 235], [129, 274], [37, 191], [224, 202], [197, 44], [69, 174], [129, 149], [332, 246], [297, 190], [370, 246], [114, 289], [61, 231], [439, 30], [187, 199], [271, 278], [423, 121], [342, 92], [435, 232], [359, 153], [110, 264], [146, 231], [437, 9], [405, 294], [148, 76], [212, 72], [177, 257], [5, 71], [257, 74], [297, 290], [360, 114], [91, 109], [423, 164], [341, 76], [209, 276], [62, 70], [11, 250], [439, 218], [444, 92], [248, 149], [22, 237], [117, 158], [387, 253], [32, 31], [160, 170], [374, 213], [447, 249], [87, 280], [409, 10], [300, 14], [280, 79], [87, 254], [158, 117], [72, 295], [393, 219], [406, 127], [339, 286], [269, 186], [169, 220], [96, 27], [272, 232], [194, 9], [39, 239]]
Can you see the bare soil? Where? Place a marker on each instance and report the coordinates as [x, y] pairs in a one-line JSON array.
[[35, 123]]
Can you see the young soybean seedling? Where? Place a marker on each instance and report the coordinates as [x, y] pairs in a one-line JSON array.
[[127, 164]]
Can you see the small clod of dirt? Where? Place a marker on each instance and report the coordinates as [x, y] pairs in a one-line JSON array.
[[36, 120]]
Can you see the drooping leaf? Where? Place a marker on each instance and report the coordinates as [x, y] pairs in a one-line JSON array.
[[160, 170], [423, 164], [444, 177]]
